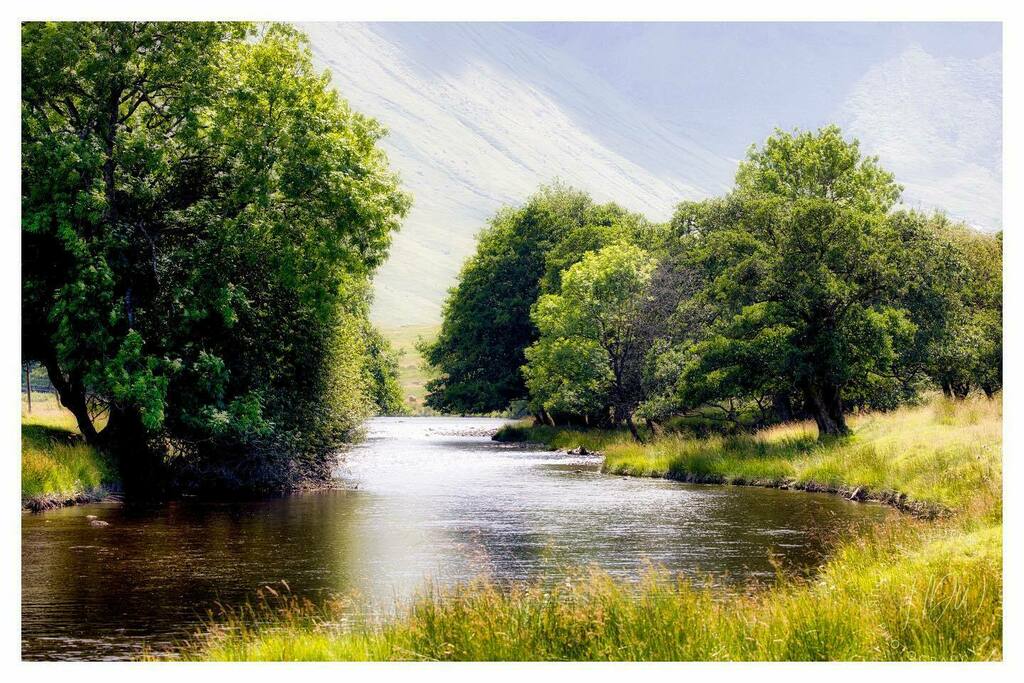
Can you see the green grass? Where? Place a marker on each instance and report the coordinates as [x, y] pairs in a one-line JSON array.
[[907, 592], [909, 589], [413, 373], [56, 465], [560, 437], [939, 455]]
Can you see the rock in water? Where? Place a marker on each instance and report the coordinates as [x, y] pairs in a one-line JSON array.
[[98, 522]]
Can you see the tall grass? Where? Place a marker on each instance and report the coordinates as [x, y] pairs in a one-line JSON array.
[[944, 453], [56, 465], [940, 455], [907, 592]]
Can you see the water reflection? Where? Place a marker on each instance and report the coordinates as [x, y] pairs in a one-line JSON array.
[[426, 497]]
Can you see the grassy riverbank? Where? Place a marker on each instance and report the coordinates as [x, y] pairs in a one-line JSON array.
[[908, 590], [935, 457], [57, 467]]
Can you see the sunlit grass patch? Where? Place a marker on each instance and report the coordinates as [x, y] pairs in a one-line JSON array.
[[944, 453], [56, 463]]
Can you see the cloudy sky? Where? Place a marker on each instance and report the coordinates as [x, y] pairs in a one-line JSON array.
[[650, 114]]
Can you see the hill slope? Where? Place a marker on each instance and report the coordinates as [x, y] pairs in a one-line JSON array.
[[647, 115]]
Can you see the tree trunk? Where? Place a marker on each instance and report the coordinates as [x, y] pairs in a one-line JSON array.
[[782, 406], [28, 385], [826, 405], [71, 394], [139, 465], [632, 428]]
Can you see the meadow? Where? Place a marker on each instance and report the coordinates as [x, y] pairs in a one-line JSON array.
[[413, 373]]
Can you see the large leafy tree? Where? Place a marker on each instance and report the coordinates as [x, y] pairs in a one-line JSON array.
[[594, 335], [803, 277], [201, 214], [486, 323]]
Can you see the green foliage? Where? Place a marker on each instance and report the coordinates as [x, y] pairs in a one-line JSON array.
[[381, 374], [804, 292], [802, 275], [486, 319], [486, 325], [201, 217], [966, 351], [591, 346]]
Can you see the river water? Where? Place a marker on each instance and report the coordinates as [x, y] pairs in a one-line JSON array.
[[421, 498]]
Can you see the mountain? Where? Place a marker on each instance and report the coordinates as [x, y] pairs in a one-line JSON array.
[[647, 115], [480, 115], [936, 123]]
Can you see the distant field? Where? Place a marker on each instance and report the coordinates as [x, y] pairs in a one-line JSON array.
[[411, 370]]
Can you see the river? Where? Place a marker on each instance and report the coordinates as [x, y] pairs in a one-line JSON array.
[[421, 498]]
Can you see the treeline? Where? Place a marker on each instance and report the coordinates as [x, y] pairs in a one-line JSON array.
[[807, 291], [201, 215]]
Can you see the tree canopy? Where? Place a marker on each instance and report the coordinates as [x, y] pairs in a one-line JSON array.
[[593, 338], [486, 323], [201, 216], [804, 292], [804, 278]]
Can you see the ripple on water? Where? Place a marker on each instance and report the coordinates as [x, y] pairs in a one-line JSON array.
[[435, 498]]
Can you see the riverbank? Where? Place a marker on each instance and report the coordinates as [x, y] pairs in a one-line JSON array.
[[910, 589], [57, 467], [931, 460]]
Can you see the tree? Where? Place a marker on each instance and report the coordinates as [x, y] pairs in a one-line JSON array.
[[486, 324], [381, 371], [593, 337], [201, 216], [802, 277], [965, 351]]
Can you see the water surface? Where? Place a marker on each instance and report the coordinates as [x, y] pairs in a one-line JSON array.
[[422, 498]]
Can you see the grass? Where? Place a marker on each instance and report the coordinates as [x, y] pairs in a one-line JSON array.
[[561, 437], [413, 373], [57, 467], [907, 592], [937, 455], [909, 589]]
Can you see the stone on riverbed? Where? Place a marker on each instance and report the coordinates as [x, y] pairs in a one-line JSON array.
[[98, 522]]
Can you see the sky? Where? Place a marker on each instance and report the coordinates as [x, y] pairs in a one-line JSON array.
[[649, 114]]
